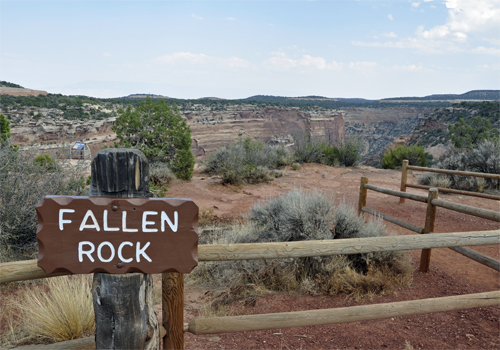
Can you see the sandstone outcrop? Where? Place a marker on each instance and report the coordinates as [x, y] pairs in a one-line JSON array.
[[4, 90]]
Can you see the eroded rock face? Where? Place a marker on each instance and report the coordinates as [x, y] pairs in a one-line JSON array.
[[210, 129], [4, 90]]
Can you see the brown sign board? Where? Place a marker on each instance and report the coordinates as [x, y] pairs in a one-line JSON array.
[[83, 235]]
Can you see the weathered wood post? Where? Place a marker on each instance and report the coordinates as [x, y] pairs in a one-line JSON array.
[[173, 310], [125, 316], [363, 193], [430, 220], [404, 180]]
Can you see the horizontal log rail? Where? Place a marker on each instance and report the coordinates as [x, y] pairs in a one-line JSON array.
[[395, 193], [476, 256], [231, 324], [27, 270], [451, 190], [394, 220], [455, 172], [467, 209]]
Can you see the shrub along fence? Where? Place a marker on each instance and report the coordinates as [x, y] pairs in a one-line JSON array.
[[405, 184], [430, 218]]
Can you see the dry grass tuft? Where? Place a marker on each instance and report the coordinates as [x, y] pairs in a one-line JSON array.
[[60, 309]]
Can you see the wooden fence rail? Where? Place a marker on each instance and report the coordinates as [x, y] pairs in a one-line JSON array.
[[27, 270], [405, 184], [231, 324], [432, 203]]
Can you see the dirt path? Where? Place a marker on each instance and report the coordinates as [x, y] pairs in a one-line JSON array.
[[450, 273]]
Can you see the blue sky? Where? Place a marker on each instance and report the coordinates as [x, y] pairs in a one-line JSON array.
[[235, 49]]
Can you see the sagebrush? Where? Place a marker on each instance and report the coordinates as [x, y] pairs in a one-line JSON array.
[[247, 161], [25, 179], [484, 158], [296, 216]]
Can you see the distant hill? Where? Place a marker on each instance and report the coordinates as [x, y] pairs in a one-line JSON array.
[[11, 85], [145, 95], [479, 95]]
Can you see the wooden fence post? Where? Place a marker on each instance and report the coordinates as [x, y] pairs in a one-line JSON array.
[[173, 310], [123, 304], [363, 192], [430, 220], [404, 180]]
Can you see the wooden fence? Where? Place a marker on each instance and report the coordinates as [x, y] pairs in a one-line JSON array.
[[27, 270], [405, 184], [432, 202]]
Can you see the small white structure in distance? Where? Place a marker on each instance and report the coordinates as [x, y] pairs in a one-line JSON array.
[[80, 150]]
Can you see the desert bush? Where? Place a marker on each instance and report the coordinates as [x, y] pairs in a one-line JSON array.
[[45, 161], [160, 174], [247, 161], [300, 216], [307, 149], [295, 166], [349, 152], [23, 183], [415, 155], [59, 310], [484, 158], [310, 150]]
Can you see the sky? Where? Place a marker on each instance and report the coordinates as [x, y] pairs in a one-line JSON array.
[[235, 49]]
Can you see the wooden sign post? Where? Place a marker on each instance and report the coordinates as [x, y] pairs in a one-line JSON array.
[[112, 236]]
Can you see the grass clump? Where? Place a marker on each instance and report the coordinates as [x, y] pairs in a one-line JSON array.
[[247, 161], [58, 310], [484, 158], [302, 216]]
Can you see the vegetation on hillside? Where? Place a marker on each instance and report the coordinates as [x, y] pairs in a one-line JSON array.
[[12, 85], [447, 117]]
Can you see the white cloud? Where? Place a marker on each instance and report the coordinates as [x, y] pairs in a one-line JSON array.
[[390, 17], [415, 4], [468, 26], [408, 68], [231, 19], [390, 35], [196, 17], [106, 54], [280, 61], [362, 65]]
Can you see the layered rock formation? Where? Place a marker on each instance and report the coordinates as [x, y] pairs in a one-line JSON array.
[[4, 90], [210, 128]]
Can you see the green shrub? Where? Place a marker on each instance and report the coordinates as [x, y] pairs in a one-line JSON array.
[[415, 155], [45, 161], [247, 161], [310, 150], [295, 166]]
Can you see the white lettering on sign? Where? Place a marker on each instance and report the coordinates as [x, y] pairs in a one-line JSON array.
[[138, 251], [61, 220], [88, 215], [86, 252], [145, 222], [99, 251], [120, 252], [124, 224], [105, 223], [173, 226]]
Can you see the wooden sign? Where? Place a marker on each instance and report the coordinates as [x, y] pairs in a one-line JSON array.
[[117, 235]]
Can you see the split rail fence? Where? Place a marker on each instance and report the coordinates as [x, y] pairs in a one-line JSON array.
[[28, 270]]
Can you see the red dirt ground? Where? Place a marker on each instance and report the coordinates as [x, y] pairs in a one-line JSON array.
[[450, 273]]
